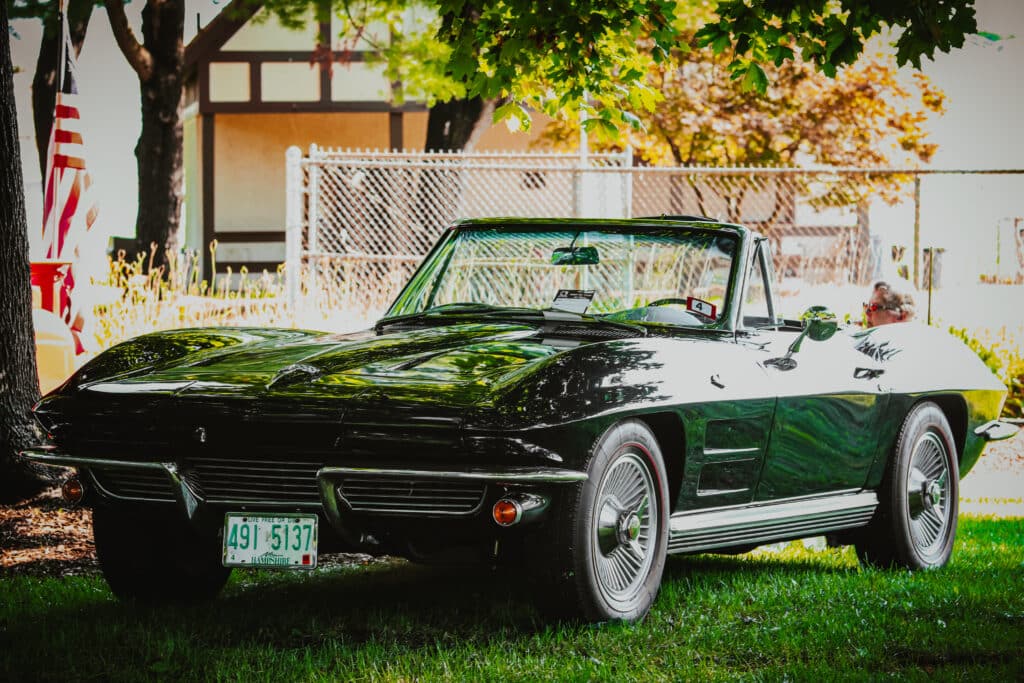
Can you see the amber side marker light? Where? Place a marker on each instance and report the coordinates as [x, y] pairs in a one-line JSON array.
[[73, 491], [507, 512]]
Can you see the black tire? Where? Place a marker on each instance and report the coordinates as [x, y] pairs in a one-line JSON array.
[[607, 548], [915, 525], [154, 558]]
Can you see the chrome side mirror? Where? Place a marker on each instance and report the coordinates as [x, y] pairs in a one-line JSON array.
[[819, 324]]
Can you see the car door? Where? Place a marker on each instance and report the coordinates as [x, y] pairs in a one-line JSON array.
[[829, 400], [824, 435]]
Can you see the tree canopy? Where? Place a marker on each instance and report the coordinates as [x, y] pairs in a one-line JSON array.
[[865, 116], [595, 55]]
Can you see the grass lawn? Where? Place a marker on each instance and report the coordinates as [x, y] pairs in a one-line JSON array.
[[798, 614]]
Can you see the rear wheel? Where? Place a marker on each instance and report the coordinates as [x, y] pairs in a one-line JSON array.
[[608, 549], [153, 557], [915, 526]]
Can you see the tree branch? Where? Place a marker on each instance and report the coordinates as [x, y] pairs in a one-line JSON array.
[[137, 55]]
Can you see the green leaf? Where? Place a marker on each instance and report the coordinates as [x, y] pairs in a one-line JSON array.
[[755, 79], [632, 120], [994, 37], [602, 128], [779, 54], [514, 114]]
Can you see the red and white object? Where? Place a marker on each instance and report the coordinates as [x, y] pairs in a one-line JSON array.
[[701, 307], [69, 209]]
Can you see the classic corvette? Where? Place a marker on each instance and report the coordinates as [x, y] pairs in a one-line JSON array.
[[580, 398]]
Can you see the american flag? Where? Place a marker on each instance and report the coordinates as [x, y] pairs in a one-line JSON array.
[[69, 210]]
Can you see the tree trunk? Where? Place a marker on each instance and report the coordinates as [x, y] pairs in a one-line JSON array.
[[158, 151], [44, 82], [451, 125], [19, 382]]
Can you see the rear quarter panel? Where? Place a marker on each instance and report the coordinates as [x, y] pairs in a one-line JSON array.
[[925, 363]]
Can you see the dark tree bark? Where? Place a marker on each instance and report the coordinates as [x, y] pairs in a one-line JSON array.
[[19, 383], [160, 143], [451, 125], [44, 82], [158, 61]]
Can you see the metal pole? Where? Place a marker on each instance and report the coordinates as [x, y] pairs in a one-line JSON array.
[[314, 222], [931, 270], [627, 182], [583, 162], [917, 228], [293, 224], [51, 228], [1018, 233]]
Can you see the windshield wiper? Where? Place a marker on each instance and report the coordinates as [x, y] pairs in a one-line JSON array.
[[600, 318], [454, 308]]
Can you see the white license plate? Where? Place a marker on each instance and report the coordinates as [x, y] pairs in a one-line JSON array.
[[286, 541]]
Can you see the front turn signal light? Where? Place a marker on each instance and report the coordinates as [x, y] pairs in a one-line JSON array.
[[73, 491], [506, 512]]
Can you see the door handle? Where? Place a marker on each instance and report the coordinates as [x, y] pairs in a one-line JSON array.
[[868, 373]]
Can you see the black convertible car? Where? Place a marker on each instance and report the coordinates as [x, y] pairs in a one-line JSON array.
[[582, 397]]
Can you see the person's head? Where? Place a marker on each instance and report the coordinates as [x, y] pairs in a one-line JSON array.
[[888, 304]]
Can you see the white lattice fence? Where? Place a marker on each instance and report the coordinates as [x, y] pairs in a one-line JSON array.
[[368, 218], [360, 222]]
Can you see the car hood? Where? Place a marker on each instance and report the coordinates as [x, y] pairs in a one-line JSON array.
[[454, 364]]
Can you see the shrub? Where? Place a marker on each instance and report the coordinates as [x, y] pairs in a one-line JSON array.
[[138, 299], [1004, 357], [133, 298]]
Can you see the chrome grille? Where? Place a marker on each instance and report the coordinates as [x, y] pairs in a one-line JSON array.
[[263, 481], [411, 496], [148, 484]]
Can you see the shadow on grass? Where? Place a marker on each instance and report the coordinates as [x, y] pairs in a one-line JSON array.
[[402, 604], [397, 605], [394, 611]]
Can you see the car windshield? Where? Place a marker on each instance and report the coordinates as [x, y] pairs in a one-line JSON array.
[[677, 276]]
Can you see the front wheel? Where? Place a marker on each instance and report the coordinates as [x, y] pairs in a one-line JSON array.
[[152, 557], [611, 538], [915, 525]]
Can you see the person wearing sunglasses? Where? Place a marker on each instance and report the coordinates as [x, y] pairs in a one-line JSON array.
[[888, 304]]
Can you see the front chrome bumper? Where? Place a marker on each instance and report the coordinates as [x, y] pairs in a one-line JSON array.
[[393, 493]]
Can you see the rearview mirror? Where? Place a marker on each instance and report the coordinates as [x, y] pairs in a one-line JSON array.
[[575, 256]]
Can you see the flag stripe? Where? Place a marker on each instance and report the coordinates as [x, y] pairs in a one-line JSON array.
[[68, 214], [67, 136], [63, 161], [65, 112]]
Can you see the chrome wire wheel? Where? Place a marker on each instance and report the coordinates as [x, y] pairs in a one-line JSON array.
[[928, 494], [915, 524], [624, 527], [605, 557]]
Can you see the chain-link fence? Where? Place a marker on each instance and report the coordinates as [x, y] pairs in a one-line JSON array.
[[360, 222]]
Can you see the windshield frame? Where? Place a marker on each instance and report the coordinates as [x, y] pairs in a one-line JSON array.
[[439, 257]]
